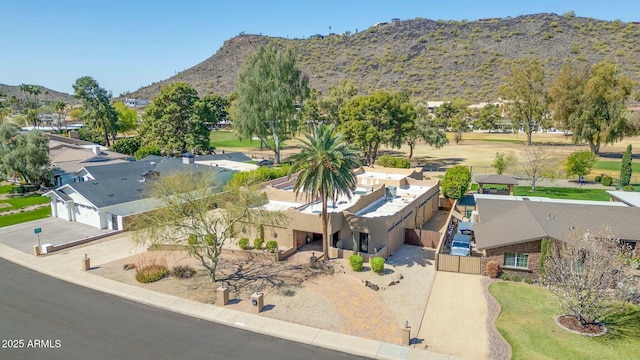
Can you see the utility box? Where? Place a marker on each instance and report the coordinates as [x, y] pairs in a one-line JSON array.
[[406, 335], [36, 250], [257, 302], [222, 296], [86, 264]]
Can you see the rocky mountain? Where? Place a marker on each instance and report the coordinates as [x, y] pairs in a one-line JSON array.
[[431, 59], [47, 95]]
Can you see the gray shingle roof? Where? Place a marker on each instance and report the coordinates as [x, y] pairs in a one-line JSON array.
[[496, 179], [507, 222]]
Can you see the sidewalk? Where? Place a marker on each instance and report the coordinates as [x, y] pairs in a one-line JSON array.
[[68, 266]]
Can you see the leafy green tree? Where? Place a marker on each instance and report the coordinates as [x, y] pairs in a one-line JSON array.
[[24, 154], [456, 182], [626, 168], [379, 119], [337, 97], [213, 109], [423, 128], [269, 87], [489, 118], [445, 113], [128, 145], [566, 94], [173, 122], [503, 161], [393, 162], [525, 89], [147, 150], [580, 163], [127, 117], [195, 214], [325, 167], [97, 112], [603, 119]]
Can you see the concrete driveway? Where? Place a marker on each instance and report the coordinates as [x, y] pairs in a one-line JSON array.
[[54, 231], [456, 315]]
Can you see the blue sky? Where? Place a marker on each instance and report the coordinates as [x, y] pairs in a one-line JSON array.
[[128, 44]]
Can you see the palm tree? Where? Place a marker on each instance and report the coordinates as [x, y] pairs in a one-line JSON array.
[[60, 109], [325, 164]]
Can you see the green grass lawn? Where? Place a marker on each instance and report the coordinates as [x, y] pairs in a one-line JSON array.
[[21, 202], [609, 165], [5, 189], [19, 218], [526, 322], [563, 193], [227, 139]]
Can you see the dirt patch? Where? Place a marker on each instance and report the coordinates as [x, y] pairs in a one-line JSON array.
[[572, 323]]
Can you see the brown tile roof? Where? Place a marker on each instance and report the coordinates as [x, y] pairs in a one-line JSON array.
[[508, 222]]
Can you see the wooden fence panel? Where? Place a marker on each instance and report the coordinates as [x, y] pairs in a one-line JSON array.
[[448, 262], [470, 264]]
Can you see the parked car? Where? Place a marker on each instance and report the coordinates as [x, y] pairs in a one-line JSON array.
[[461, 245], [265, 162]]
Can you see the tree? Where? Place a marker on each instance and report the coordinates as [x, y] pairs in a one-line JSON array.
[[325, 167], [379, 119], [196, 215], [337, 97], [538, 164], [24, 154], [128, 145], [60, 108], [566, 94], [173, 122], [524, 87], [269, 87], [97, 112], [424, 129], [582, 270], [213, 109], [603, 119], [626, 168], [127, 117], [503, 161], [455, 182], [489, 118], [580, 163]]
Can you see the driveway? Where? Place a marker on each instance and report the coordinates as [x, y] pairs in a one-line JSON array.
[[54, 231], [455, 319]]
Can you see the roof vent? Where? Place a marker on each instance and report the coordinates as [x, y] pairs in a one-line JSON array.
[[110, 195], [123, 178]]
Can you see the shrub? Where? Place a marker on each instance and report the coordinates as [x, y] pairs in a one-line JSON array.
[[528, 281], [629, 188], [377, 264], [393, 162], [492, 269], [257, 243], [607, 180], [243, 243], [635, 263], [515, 278], [505, 277], [356, 262], [456, 182], [271, 246], [152, 273], [183, 271], [598, 178]]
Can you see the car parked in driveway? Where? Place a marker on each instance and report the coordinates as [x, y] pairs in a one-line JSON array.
[[461, 245]]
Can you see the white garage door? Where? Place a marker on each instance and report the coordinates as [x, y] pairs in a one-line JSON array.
[[87, 215]]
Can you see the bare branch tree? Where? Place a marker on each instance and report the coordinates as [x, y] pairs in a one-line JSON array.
[[538, 164], [194, 214], [583, 271]]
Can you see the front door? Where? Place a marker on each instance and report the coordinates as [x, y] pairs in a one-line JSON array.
[[364, 242]]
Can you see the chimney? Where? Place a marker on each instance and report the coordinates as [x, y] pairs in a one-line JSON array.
[[187, 158], [74, 135]]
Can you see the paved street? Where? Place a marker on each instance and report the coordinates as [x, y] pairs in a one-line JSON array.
[[87, 324]]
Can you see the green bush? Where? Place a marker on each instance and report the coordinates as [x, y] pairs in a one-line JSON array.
[[515, 278], [356, 262], [505, 277], [152, 273], [456, 182], [183, 271], [629, 188], [257, 243], [528, 281], [243, 243], [271, 246], [598, 178], [377, 264], [393, 162], [607, 180]]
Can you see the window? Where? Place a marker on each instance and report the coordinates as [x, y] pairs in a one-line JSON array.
[[516, 260], [364, 242]]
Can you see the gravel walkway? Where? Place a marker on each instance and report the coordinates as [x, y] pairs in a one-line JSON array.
[[499, 348]]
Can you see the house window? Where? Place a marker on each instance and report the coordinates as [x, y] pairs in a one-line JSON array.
[[516, 260]]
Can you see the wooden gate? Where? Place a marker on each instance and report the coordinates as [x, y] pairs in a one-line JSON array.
[[461, 264], [425, 238]]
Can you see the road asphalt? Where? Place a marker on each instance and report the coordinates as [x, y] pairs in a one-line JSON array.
[[67, 266]]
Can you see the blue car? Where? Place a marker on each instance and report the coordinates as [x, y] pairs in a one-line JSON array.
[[461, 245]]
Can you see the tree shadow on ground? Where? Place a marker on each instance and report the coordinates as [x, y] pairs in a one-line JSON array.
[[433, 164], [622, 323], [616, 155], [409, 255]]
